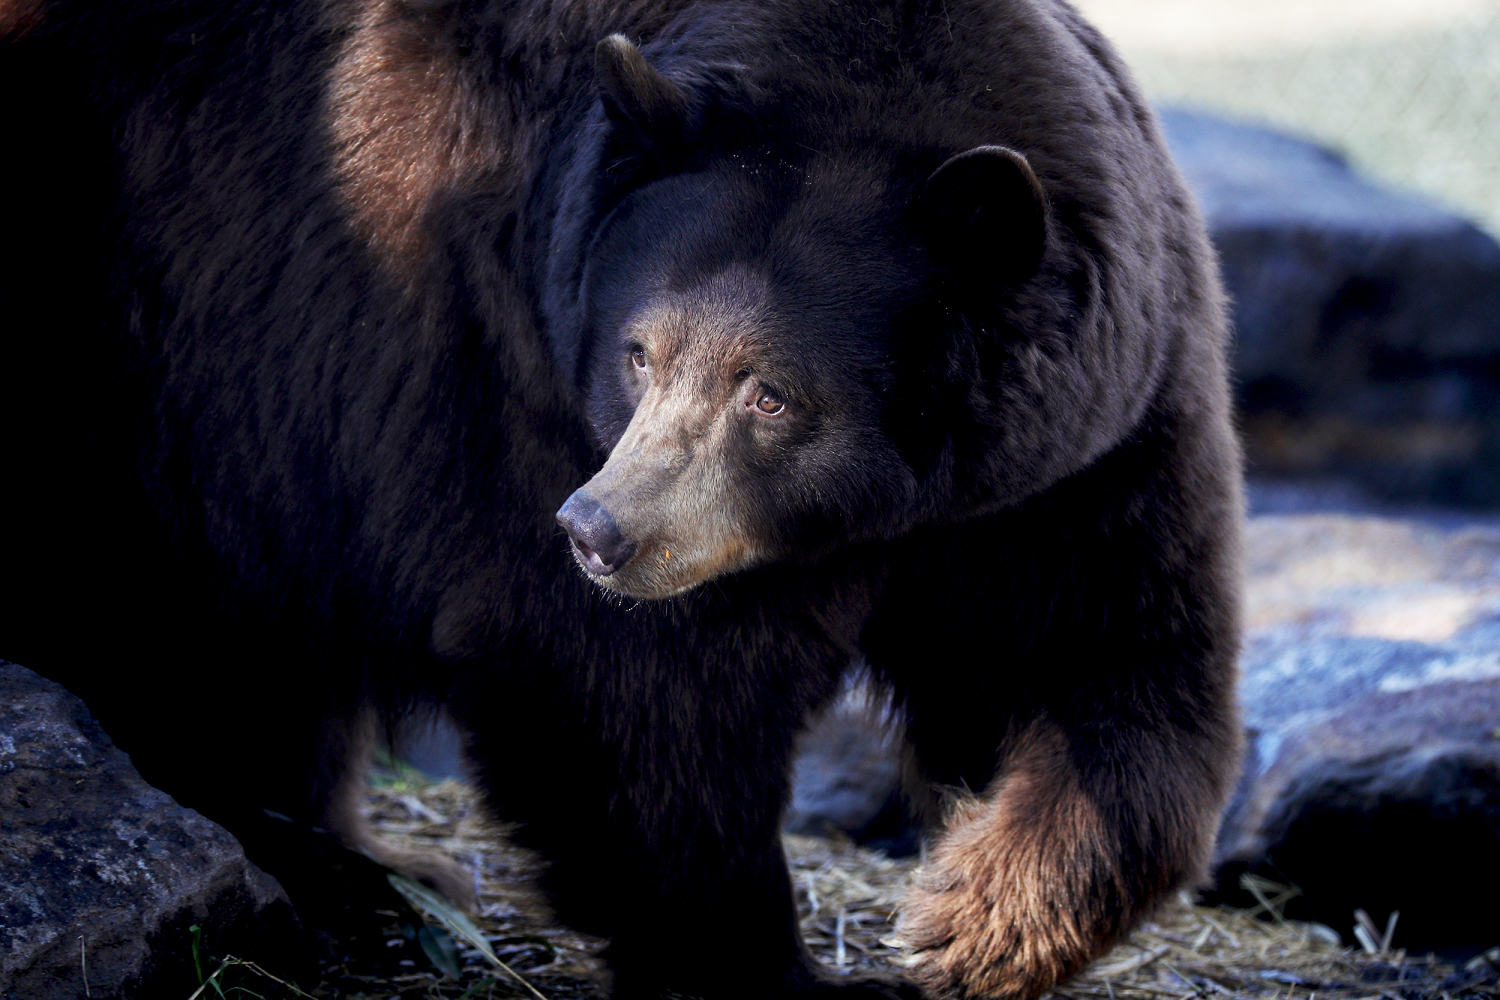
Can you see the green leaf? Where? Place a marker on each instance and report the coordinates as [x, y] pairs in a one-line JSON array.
[[440, 950], [455, 920]]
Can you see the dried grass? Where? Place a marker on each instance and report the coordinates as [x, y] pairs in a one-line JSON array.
[[848, 898]]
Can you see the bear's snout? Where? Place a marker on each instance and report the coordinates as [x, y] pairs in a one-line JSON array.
[[597, 539]]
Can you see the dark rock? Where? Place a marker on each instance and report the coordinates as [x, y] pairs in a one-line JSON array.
[[101, 876], [1368, 321], [434, 747], [1371, 686], [847, 778]]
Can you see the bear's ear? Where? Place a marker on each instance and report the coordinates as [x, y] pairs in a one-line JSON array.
[[985, 214], [651, 109]]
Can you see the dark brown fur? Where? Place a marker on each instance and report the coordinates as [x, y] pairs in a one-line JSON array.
[[19, 16]]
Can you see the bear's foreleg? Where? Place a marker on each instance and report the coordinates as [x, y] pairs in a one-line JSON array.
[[652, 783], [1069, 701]]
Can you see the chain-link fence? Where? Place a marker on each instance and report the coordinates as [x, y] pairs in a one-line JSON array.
[[1409, 90]]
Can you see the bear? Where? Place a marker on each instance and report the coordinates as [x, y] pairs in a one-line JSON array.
[[612, 376]]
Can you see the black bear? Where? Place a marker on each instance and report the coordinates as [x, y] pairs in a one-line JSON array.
[[613, 374]]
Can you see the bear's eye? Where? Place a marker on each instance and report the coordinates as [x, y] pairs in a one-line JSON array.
[[638, 357], [769, 404]]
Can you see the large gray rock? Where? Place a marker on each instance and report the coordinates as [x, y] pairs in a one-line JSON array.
[[1368, 321], [101, 876], [1371, 688]]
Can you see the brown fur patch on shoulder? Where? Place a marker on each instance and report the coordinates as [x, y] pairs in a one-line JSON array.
[[407, 127], [17, 17], [1015, 897]]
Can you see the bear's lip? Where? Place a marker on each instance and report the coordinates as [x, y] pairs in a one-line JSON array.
[[594, 564], [659, 570], [633, 577], [635, 590]]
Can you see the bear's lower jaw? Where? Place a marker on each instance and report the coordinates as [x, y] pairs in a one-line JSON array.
[[613, 586], [659, 571], [642, 586]]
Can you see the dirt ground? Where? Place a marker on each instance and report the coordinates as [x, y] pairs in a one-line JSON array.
[[847, 898]]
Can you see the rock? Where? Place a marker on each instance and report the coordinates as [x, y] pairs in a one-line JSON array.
[[847, 778], [1368, 321], [432, 745], [1371, 688], [1433, 579], [101, 876]]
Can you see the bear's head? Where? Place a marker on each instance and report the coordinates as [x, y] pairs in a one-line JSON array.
[[769, 331]]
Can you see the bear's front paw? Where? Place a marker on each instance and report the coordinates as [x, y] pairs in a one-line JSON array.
[[978, 933]]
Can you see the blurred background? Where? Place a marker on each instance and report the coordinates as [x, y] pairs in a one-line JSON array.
[[1408, 89], [1347, 158]]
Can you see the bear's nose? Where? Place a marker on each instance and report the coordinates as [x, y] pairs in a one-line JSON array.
[[595, 535]]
